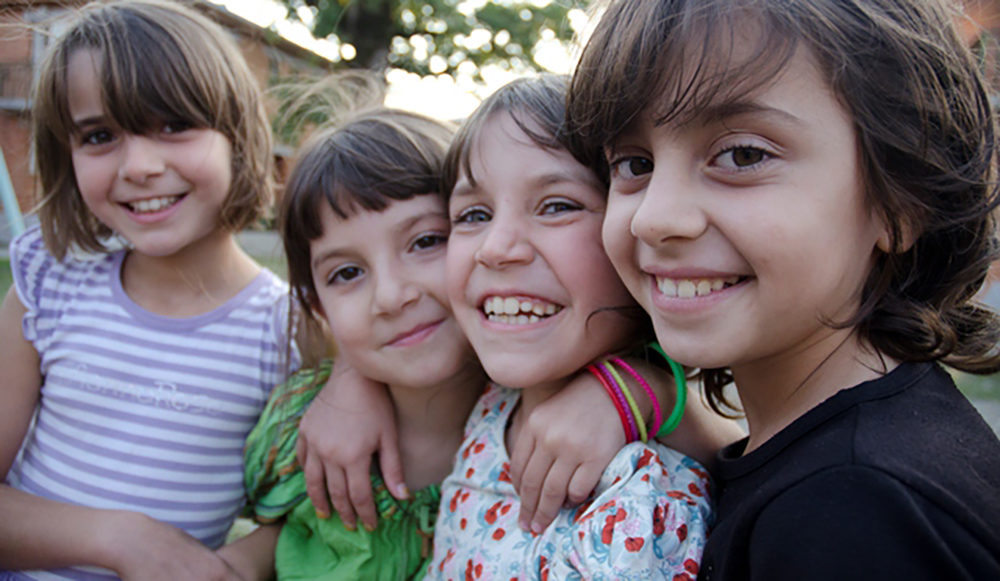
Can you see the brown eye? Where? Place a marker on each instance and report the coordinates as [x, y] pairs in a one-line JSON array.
[[746, 156]]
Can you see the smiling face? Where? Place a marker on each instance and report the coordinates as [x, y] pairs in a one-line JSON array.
[[380, 279], [742, 230], [526, 269], [161, 191]]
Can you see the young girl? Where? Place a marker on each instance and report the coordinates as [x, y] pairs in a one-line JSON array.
[[365, 232], [146, 338], [526, 219], [832, 163]]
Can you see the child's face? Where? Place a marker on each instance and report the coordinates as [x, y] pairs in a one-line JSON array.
[[162, 191], [380, 277], [526, 269], [743, 230]]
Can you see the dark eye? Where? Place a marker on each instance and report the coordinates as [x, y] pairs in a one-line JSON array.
[[559, 206], [97, 137], [472, 215], [176, 126], [630, 167], [429, 241], [345, 274], [741, 157]]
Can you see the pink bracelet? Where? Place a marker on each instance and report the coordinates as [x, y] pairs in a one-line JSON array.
[[657, 411], [633, 431], [614, 399]]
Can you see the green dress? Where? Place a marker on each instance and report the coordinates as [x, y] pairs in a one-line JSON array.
[[313, 548]]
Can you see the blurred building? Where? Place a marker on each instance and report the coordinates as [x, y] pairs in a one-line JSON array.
[[26, 26]]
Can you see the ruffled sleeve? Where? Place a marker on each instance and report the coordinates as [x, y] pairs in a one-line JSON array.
[[649, 522], [30, 261]]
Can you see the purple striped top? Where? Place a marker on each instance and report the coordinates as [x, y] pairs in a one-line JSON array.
[[139, 411]]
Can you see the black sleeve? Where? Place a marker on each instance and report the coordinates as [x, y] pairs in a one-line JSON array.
[[856, 523]]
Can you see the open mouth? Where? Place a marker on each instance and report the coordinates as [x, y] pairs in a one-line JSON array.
[[152, 205], [518, 310], [691, 288]]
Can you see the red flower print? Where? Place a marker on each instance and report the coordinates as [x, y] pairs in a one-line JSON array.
[[468, 449], [491, 513], [682, 532], [609, 529], [479, 448], [606, 506], [634, 544], [451, 553], [621, 515], [682, 577], [645, 460], [503, 405], [498, 534], [504, 473], [505, 509], [695, 490], [658, 525], [453, 504], [470, 472], [645, 478], [691, 566], [462, 525], [543, 568], [701, 473], [473, 572]]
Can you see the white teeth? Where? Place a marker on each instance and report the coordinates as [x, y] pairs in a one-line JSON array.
[[690, 288], [514, 311], [153, 204]]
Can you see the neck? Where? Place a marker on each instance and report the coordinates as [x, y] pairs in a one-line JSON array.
[[777, 391], [192, 281], [431, 421]]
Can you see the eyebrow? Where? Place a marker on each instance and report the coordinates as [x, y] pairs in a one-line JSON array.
[[721, 112], [583, 175], [79, 124]]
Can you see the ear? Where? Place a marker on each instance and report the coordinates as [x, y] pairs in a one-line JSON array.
[[907, 236]]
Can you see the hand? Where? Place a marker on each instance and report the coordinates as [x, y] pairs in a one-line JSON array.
[[554, 460], [148, 550], [351, 419]]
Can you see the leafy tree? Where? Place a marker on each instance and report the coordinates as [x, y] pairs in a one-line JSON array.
[[438, 36]]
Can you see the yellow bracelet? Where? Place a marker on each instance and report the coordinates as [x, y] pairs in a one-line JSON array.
[[631, 401]]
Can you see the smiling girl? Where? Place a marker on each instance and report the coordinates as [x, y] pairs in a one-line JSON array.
[[802, 196]]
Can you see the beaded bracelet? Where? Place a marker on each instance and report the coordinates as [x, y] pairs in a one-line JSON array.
[[680, 380], [623, 387], [633, 421], [657, 410], [614, 399]]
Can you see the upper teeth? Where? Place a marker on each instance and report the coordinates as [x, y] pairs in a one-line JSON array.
[[153, 204], [690, 288], [517, 311]]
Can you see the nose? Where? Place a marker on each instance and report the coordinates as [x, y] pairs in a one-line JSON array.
[[141, 159], [505, 244], [672, 208], [394, 291]]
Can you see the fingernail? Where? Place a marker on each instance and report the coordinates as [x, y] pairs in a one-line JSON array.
[[523, 524], [536, 528], [322, 515], [402, 491], [351, 526], [369, 528]]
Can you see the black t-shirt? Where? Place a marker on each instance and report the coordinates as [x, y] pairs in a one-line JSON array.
[[896, 478]]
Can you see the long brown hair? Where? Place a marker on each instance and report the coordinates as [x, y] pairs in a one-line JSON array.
[[926, 134], [157, 62]]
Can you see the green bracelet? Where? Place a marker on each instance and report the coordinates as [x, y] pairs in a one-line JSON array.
[[671, 423]]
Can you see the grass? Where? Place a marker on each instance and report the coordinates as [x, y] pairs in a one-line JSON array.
[[6, 278]]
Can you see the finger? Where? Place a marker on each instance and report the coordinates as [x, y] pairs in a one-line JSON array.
[[359, 490], [316, 484], [584, 481], [392, 466], [524, 448], [336, 485], [531, 485], [553, 495]]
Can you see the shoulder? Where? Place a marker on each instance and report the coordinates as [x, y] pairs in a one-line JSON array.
[[851, 521]]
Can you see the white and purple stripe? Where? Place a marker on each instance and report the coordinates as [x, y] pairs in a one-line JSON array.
[[138, 411]]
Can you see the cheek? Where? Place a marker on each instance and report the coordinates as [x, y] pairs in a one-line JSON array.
[[459, 263], [617, 236]]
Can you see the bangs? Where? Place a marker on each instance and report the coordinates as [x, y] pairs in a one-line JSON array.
[[675, 60], [138, 97]]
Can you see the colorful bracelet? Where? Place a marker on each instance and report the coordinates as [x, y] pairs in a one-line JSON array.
[[614, 399], [633, 433], [657, 410], [640, 423], [680, 380]]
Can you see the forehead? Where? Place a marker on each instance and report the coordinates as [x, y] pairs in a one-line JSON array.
[[371, 226]]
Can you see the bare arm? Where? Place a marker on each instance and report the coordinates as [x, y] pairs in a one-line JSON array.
[[349, 421], [253, 555], [38, 533]]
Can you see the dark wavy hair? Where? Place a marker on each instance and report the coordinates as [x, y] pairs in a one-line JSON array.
[[921, 112]]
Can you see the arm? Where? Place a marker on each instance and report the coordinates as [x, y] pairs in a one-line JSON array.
[[351, 419], [38, 533], [555, 461], [253, 555]]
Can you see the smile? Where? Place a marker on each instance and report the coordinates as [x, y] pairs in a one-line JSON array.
[[415, 335], [691, 288], [150, 205], [518, 311]]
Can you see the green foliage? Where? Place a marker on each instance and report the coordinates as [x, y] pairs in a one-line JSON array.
[[396, 32]]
